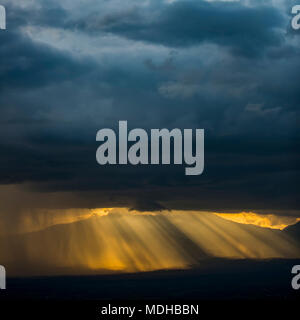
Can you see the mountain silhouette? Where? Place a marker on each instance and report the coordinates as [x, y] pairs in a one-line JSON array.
[[293, 231], [134, 243]]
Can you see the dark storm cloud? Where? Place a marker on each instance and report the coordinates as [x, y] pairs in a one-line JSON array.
[[45, 13], [246, 30], [25, 64], [53, 101], [147, 205]]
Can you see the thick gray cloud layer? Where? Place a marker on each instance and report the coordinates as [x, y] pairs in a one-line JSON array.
[[69, 69], [247, 30]]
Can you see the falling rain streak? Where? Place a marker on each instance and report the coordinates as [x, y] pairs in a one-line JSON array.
[[120, 240]]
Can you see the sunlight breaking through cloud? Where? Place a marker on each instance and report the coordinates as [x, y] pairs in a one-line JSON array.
[[261, 220], [117, 239]]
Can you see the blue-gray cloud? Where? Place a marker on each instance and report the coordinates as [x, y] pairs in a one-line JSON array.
[[246, 30], [165, 65]]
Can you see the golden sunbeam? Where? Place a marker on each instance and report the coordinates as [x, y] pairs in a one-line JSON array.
[[262, 220], [119, 240]]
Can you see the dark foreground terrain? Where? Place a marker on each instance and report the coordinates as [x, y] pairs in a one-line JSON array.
[[216, 279]]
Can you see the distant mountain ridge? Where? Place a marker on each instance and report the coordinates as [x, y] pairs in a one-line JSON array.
[[293, 231], [134, 243]]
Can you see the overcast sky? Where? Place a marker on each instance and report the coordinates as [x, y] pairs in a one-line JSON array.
[[69, 68]]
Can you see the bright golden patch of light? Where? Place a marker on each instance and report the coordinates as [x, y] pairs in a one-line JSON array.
[[118, 239], [265, 221], [100, 212], [36, 220]]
